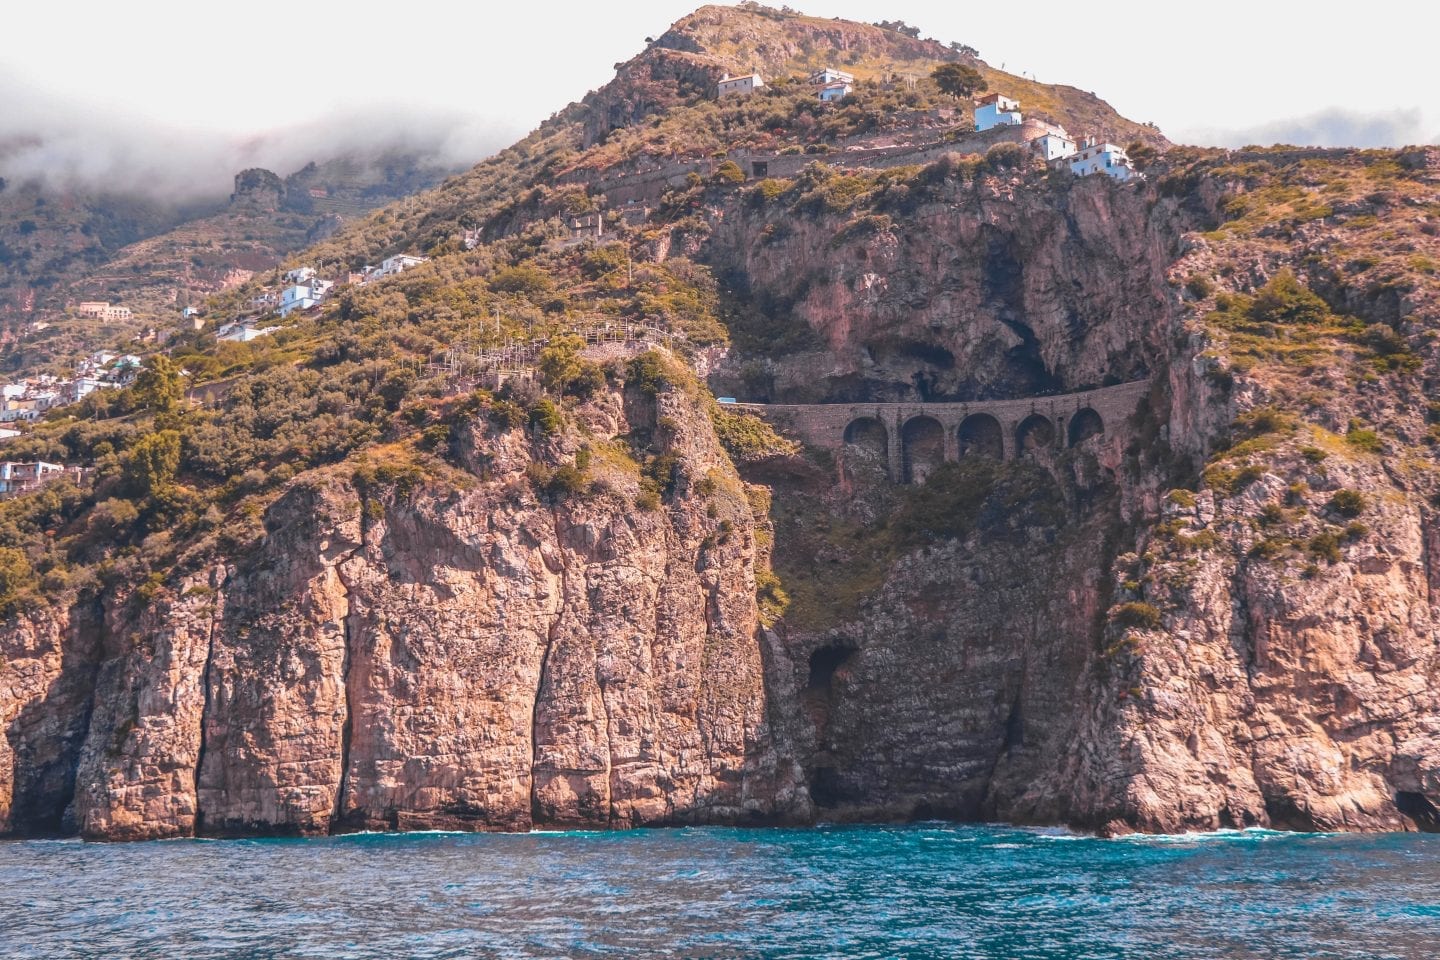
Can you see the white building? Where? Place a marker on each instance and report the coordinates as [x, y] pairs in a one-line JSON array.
[[997, 110], [299, 274], [1053, 146], [830, 75], [243, 333], [18, 409], [835, 90], [1106, 158], [16, 478], [399, 263], [303, 297], [82, 387], [740, 86]]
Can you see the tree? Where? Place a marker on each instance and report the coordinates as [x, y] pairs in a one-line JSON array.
[[157, 386], [1141, 154], [559, 362], [563, 370], [153, 462], [900, 27], [958, 80], [16, 575]]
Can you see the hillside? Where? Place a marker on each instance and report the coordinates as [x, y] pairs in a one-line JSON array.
[[156, 256], [1107, 500]]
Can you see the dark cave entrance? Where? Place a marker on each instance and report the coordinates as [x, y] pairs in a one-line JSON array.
[[1420, 809], [824, 663]]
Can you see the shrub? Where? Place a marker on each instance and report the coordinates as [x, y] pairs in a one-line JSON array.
[[1382, 338], [563, 370], [1199, 286], [748, 438], [567, 481], [975, 493], [729, 172], [603, 261], [1181, 498], [1006, 156], [545, 417], [507, 415], [1263, 420], [770, 597], [525, 280], [1226, 480], [647, 373], [664, 472], [1362, 438], [1270, 548], [436, 436], [1348, 503], [1285, 299], [1137, 613], [1325, 546], [1200, 540], [767, 191], [1313, 454]]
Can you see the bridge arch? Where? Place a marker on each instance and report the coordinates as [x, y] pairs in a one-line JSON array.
[[922, 448], [981, 435], [1086, 423], [869, 435], [1034, 434]]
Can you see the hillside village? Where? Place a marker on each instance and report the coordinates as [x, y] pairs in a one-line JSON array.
[[995, 111], [30, 399]]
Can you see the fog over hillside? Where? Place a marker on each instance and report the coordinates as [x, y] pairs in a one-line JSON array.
[[1326, 128], [65, 143]]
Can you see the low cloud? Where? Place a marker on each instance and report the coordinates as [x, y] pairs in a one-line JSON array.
[[69, 145], [1328, 128]]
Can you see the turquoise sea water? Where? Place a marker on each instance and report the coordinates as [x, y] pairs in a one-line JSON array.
[[928, 890]]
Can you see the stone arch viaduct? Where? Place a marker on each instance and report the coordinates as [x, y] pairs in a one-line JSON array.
[[916, 437]]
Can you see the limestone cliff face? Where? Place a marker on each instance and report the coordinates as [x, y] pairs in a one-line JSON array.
[[1261, 658], [991, 288], [465, 655], [1269, 695]]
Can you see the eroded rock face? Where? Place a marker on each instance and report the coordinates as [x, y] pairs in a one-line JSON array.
[[466, 656], [47, 669], [989, 290], [1272, 699]]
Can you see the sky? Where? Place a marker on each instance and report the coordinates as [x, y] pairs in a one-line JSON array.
[[183, 94]]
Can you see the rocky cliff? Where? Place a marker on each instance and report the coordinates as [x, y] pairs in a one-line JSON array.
[[466, 654], [364, 594], [1255, 648]]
